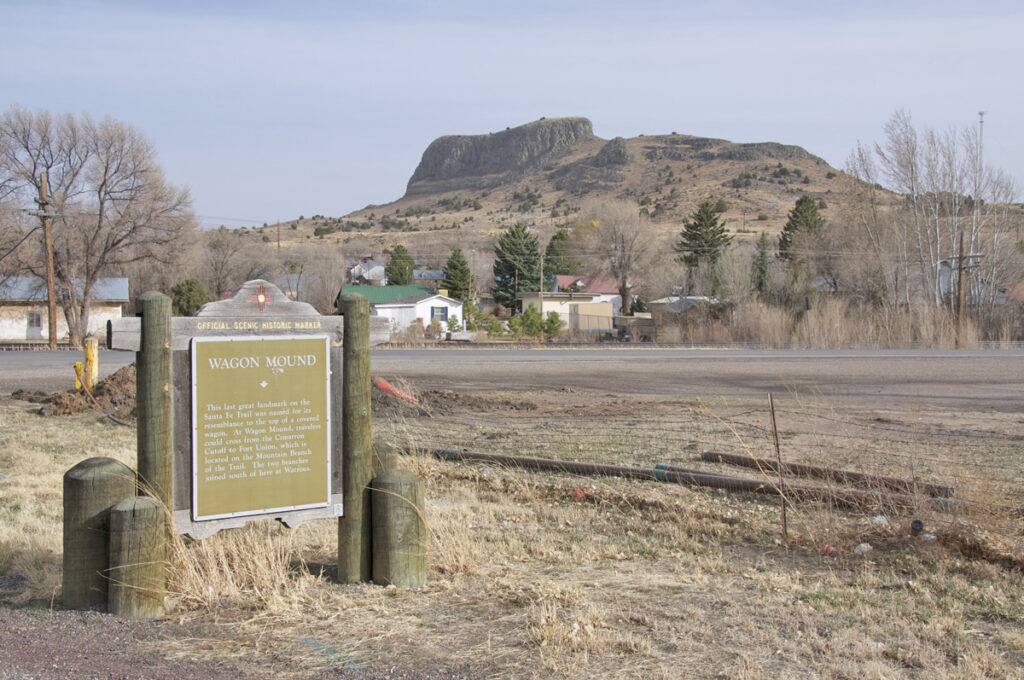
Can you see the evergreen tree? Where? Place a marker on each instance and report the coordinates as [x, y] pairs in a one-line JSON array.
[[188, 296], [803, 218], [702, 237], [552, 325], [559, 257], [457, 276], [516, 264], [761, 269], [399, 270], [528, 324]]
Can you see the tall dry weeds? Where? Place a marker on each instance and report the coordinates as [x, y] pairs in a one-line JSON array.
[[838, 323], [763, 324]]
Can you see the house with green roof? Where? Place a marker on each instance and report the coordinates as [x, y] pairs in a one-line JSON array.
[[405, 305]]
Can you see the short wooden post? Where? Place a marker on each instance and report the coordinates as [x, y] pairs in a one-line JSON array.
[[399, 530], [90, 489], [91, 366], [154, 398], [355, 531], [138, 558]]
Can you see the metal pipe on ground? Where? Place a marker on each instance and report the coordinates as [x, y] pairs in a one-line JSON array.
[[676, 475], [831, 475]]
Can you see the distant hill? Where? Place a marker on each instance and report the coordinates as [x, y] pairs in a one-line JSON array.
[[467, 188]]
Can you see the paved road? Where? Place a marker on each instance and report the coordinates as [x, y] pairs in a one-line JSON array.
[[991, 379], [985, 379]]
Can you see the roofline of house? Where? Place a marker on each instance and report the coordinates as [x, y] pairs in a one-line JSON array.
[[413, 302]]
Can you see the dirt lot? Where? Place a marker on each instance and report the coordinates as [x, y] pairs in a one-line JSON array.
[[549, 575]]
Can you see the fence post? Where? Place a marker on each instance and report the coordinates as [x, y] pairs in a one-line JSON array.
[[154, 397], [90, 489], [138, 558], [354, 529], [91, 365], [399, 530]]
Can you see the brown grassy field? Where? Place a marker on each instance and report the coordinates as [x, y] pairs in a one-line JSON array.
[[537, 575]]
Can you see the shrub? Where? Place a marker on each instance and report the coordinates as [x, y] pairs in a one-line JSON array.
[[526, 325], [493, 327], [188, 296], [552, 325], [434, 329]]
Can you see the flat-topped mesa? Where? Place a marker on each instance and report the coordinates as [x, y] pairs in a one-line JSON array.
[[456, 162]]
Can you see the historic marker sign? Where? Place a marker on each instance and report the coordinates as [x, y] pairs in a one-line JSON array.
[[261, 440], [258, 315]]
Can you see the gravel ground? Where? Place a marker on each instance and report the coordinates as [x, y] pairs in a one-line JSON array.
[[44, 644], [58, 644]]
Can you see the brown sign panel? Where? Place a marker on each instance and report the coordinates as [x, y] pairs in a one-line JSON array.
[[260, 425]]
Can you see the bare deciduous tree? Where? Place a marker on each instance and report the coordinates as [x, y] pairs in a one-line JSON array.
[[113, 206], [617, 241], [230, 259], [948, 192], [319, 273]]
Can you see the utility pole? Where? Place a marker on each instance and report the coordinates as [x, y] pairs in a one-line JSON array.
[[540, 288], [961, 293], [472, 275], [51, 296]]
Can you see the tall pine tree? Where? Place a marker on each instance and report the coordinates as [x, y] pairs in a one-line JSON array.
[[559, 257], [516, 264], [760, 271], [703, 238], [399, 270], [803, 218], [456, 275]]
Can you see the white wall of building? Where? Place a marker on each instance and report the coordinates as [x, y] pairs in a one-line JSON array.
[[402, 315], [15, 322]]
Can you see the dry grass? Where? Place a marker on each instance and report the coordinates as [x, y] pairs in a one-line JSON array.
[[836, 323], [539, 576]]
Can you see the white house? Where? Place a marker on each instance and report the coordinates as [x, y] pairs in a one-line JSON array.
[[23, 313], [420, 309], [368, 273], [405, 305]]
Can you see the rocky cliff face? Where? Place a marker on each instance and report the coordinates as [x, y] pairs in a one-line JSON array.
[[457, 162]]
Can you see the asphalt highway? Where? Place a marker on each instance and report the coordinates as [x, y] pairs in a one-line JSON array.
[[981, 378]]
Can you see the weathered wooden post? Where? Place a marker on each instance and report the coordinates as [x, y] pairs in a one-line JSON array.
[[154, 398], [355, 531], [399, 530], [138, 558], [91, 365], [90, 489]]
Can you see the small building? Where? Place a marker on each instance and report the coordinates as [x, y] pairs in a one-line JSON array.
[[429, 278], [368, 274], [602, 288], [405, 305], [578, 311], [23, 308], [679, 303]]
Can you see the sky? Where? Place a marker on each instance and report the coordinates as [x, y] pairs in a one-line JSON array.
[[269, 110]]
